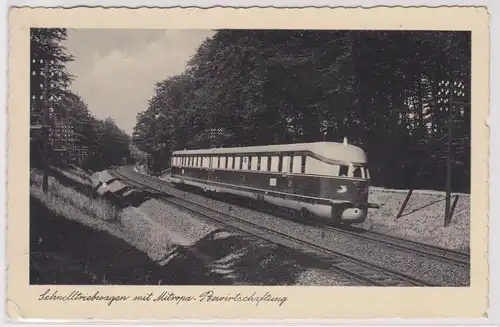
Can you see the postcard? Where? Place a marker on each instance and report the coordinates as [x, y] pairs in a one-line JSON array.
[[263, 163]]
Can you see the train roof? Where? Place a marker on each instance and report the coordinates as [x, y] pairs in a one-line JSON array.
[[329, 150]]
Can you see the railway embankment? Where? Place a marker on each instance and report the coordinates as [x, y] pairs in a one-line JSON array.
[[85, 231]]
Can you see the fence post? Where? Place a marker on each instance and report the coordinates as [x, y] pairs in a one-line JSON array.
[[405, 202], [453, 206]]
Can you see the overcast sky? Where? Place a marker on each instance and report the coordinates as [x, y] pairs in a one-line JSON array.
[[116, 70]]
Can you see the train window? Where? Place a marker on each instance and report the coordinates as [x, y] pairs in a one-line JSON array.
[[230, 162], [356, 172], [367, 173], [237, 163], [285, 164], [303, 165], [263, 164], [254, 163], [275, 160], [297, 163], [343, 170], [222, 162]]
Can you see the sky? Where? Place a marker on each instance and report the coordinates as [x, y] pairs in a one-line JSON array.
[[116, 70]]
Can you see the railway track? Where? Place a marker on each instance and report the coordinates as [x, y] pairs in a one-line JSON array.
[[351, 267], [421, 249], [441, 254]]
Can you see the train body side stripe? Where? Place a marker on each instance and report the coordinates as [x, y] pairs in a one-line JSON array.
[[288, 196], [342, 190]]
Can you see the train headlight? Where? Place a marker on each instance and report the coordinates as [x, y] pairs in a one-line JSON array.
[[342, 189]]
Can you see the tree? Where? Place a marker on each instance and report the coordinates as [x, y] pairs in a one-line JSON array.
[[377, 88], [46, 47]]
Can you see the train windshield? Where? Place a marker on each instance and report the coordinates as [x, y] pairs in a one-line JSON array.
[[359, 172]]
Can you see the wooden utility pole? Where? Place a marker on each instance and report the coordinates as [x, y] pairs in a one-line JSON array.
[[454, 90], [46, 129], [449, 161]]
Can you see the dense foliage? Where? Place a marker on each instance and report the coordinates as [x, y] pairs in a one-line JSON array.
[[379, 89], [106, 143]]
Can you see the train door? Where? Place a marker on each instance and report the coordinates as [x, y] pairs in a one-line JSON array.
[[286, 169], [210, 168]]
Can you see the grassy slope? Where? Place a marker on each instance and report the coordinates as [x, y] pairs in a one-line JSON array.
[[78, 239]]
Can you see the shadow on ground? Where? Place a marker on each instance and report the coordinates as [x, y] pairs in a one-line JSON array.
[[66, 252]]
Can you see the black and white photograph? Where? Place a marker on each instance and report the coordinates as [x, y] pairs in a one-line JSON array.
[[250, 157]]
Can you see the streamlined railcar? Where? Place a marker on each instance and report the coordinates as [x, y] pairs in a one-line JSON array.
[[326, 179]]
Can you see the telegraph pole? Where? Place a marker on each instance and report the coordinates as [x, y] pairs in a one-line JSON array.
[[449, 161], [46, 130], [453, 90]]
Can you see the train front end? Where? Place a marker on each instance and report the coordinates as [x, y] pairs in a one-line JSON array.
[[352, 198], [349, 182]]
